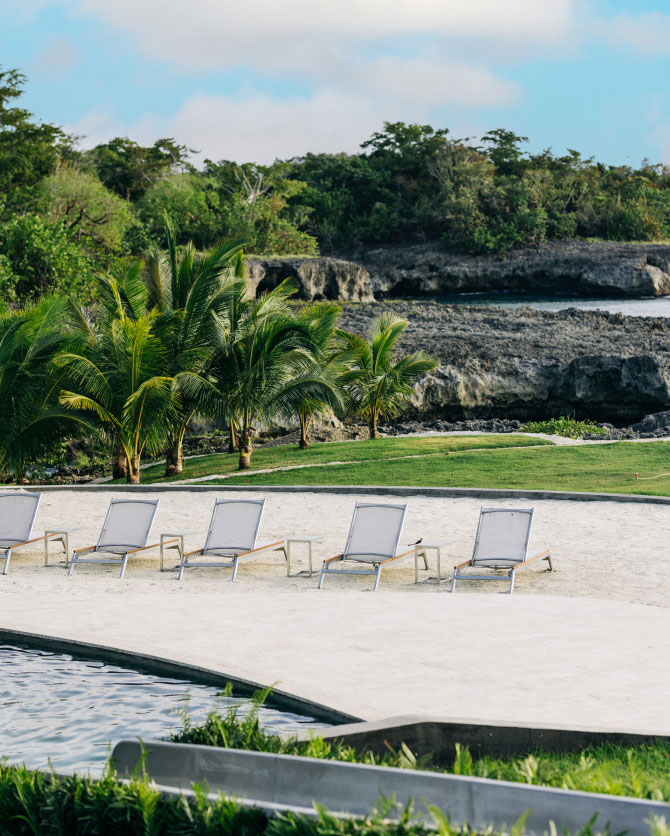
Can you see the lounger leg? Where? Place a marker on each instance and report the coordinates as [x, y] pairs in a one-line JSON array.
[[323, 571], [511, 582], [8, 554], [181, 566], [287, 555], [548, 559], [123, 566], [377, 574], [235, 559], [73, 560], [453, 582]]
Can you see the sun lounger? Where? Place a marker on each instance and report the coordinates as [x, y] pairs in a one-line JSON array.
[[124, 532], [232, 534], [17, 515], [501, 543], [373, 539]]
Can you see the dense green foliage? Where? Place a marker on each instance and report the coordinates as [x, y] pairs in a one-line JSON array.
[[63, 209], [564, 426]]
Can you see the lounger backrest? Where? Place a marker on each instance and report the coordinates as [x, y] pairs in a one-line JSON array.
[[17, 514], [234, 525], [375, 529], [127, 524], [502, 535]]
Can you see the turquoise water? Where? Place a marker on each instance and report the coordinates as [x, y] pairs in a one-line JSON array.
[[657, 306], [59, 710]]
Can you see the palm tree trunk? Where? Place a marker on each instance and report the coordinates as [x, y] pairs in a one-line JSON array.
[[245, 449], [233, 439], [133, 477], [174, 460], [305, 421], [372, 426], [119, 465]]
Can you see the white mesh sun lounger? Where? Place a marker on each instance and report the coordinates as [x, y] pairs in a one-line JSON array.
[[17, 515], [501, 543], [373, 538], [124, 532], [232, 534]]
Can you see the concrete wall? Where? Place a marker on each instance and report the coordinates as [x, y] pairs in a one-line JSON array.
[[285, 782]]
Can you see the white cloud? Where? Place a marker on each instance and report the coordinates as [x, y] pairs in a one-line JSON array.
[[209, 30], [648, 33], [57, 56]]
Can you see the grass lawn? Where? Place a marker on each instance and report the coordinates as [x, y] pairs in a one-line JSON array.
[[609, 468], [349, 451]]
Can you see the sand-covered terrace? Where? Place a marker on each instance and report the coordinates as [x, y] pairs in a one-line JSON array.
[[587, 645]]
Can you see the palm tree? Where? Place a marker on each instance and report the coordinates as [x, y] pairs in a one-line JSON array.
[[321, 318], [30, 420], [267, 364], [190, 292], [120, 378], [379, 385]]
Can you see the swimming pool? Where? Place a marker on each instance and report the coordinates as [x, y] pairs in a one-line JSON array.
[[58, 710]]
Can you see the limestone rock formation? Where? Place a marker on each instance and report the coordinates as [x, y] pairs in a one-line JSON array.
[[317, 278], [598, 268]]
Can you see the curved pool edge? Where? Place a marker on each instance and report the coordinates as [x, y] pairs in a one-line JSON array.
[[162, 666], [375, 490]]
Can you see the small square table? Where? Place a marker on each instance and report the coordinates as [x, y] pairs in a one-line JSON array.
[[420, 549], [58, 534], [177, 536], [310, 541]]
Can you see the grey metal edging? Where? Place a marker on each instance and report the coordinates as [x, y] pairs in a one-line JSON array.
[[162, 666], [267, 780], [438, 736], [375, 490]]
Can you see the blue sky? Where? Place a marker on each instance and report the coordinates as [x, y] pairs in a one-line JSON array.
[[275, 78]]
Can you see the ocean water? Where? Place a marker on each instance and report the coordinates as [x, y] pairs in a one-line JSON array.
[[651, 306]]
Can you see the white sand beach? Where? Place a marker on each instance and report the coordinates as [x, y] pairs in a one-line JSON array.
[[586, 645]]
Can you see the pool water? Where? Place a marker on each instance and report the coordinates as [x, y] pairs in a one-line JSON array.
[[67, 712]]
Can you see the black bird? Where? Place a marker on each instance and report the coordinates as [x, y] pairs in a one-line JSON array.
[[420, 540]]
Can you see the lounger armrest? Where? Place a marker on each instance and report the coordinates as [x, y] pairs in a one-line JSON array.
[[461, 565], [144, 548], [396, 556], [264, 547], [195, 551], [85, 550], [26, 542], [337, 557], [523, 563]]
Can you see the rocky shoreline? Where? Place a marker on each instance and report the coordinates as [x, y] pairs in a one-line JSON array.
[[586, 268], [524, 364]]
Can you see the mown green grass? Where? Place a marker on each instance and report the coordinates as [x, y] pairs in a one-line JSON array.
[[346, 451], [609, 468]]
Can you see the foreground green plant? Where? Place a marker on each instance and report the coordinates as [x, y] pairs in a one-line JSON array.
[[641, 771], [563, 426]]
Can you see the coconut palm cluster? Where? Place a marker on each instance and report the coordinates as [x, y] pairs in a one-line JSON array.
[[178, 335]]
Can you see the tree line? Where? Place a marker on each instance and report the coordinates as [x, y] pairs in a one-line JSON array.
[[65, 213], [176, 335]]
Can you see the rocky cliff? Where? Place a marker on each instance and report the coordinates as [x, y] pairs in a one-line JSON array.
[[523, 363], [317, 278], [586, 268]]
